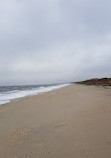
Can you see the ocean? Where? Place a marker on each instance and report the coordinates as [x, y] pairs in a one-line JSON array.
[[9, 93]]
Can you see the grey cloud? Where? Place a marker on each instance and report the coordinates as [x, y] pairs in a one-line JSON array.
[[54, 41]]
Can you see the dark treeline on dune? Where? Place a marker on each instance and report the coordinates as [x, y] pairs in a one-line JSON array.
[[96, 81]]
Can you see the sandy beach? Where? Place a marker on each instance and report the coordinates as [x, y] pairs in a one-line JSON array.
[[71, 122]]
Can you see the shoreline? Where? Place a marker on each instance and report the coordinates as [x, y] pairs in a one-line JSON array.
[[73, 121], [34, 94]]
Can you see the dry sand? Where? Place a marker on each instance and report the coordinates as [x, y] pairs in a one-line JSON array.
[[71, 122]]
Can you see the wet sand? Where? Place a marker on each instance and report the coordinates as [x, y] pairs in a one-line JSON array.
[[71, 122]]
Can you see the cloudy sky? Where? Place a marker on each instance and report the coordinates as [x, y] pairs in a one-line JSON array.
[[45, 41]]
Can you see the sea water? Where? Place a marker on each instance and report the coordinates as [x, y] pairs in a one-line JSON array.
[[8, 93]]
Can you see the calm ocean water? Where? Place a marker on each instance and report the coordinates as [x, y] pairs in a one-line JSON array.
[[8, 93]]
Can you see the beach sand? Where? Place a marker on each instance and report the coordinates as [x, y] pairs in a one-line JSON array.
[[71, 122]]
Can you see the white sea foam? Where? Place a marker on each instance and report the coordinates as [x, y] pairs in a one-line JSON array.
[[8, 96]]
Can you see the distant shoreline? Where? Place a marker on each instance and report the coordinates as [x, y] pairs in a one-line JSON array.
[[97, 82]]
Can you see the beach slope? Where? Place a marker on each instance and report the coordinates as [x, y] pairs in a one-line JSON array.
[[71, 122]]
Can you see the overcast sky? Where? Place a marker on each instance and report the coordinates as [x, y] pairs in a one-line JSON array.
[[45, 41]]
